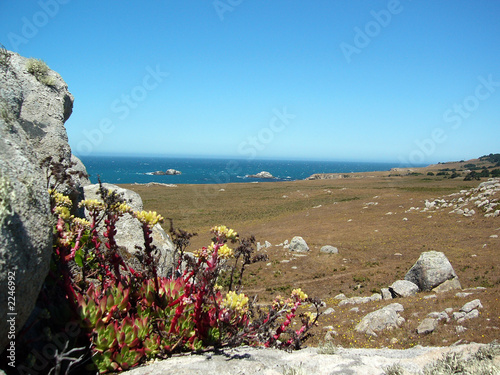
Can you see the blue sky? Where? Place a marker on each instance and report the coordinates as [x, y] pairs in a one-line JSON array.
[[409, 81]]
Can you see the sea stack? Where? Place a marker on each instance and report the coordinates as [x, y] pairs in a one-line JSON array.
[[262, 174]]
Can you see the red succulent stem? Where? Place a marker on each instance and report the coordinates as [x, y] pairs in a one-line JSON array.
[[285, 324]]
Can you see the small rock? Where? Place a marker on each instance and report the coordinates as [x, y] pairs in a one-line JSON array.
[[448, 285], [386, 294], [340, 297], [469, 306], [328, 311], [428, 325], [470, 315], [462, 294], [460, 329], [329, 250], [458, 315], [403, 288], [430, 296], [439, 316]]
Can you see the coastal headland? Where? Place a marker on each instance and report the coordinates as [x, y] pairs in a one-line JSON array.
[[380, 222]]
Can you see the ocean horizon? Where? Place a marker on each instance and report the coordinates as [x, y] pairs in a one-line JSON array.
[[140, 169]]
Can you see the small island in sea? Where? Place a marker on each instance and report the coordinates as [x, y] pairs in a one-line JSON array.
[[262, 174], [168, 172]]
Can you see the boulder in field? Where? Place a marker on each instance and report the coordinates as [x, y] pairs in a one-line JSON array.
[[299, 245], [431, 269], [386, 318], [329, 250]]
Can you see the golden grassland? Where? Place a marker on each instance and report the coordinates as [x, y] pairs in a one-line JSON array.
[[365, 216]]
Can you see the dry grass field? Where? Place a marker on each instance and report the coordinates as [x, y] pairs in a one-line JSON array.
[[365, 216]]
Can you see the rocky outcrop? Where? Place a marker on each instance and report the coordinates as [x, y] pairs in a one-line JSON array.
[[431, 270], [32, 116], [325, 176], [482, 200], [129, 234], [255, 361]]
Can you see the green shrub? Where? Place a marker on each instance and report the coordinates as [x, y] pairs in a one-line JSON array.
[[41, 71], [481, 363], [327, 348], [395, 369], [4, 57]]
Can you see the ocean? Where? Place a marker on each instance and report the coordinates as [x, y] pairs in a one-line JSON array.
[[129, 170]]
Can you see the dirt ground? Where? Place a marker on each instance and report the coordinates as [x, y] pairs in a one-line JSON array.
[[369, 218]]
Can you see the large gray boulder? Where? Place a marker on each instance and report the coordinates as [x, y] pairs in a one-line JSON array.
[[25, 218], [431, 269], [40, 110], [129, 230], [386, 318], [32, 117], [299, 245]]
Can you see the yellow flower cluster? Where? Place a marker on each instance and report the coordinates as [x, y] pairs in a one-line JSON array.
[[222, 230], [151, 218], [81, 222], [224, 252], [122, 208], [309, 316], [60, 199], [92, 204], [299, 294], [62, 212], [236, 302]]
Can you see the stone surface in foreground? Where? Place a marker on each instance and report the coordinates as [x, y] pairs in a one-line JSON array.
[[250, 361]]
